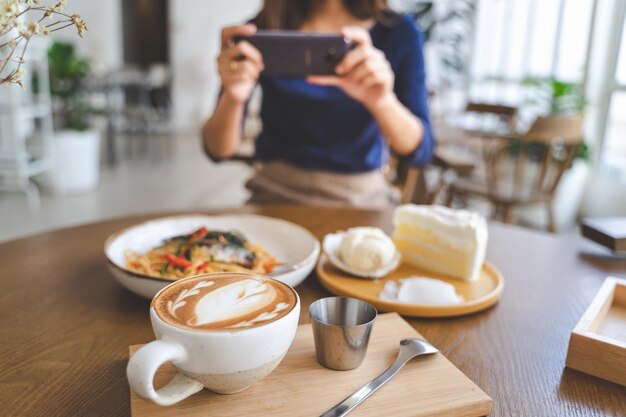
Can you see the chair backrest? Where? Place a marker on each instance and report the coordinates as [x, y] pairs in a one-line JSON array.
[[565, 128], [505, 111], [506, 116], [533, 165]]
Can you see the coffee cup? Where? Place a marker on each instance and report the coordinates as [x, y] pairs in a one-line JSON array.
[[223, 332]]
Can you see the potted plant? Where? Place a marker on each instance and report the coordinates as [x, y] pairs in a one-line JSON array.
[[77, 145]]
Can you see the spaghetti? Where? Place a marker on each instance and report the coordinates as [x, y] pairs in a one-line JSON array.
[[200, 252]]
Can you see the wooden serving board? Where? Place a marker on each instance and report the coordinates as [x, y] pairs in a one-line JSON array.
[[426, 386]]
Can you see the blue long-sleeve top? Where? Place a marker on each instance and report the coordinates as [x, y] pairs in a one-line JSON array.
[[322, 128]]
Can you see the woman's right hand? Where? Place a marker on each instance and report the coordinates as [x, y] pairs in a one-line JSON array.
[[239, 64]]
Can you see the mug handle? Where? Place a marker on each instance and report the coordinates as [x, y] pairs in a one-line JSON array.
[[144, 364]]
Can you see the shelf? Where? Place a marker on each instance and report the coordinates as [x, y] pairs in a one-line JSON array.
[[28, 111], [31, 166]]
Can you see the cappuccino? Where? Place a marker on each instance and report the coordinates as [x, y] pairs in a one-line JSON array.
[[223, 332], [221, 302]]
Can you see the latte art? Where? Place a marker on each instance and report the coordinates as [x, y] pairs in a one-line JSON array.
[[263, 316], [214, 303]]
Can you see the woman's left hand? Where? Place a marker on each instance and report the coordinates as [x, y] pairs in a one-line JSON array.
[[364, 73]]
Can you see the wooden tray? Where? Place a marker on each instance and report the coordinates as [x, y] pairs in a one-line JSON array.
[[597, 345], [427, 386], [478, 295]]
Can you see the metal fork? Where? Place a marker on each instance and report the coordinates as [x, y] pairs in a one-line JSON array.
[[282, 269]]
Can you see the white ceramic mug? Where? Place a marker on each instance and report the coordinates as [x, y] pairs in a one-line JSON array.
[[224, 361]]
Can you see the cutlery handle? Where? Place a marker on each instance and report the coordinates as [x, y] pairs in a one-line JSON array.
[[347, 405]]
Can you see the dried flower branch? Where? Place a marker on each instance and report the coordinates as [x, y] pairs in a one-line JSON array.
[[14, 27]]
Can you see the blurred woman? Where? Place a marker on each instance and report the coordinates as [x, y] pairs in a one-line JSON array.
[[325, 138]]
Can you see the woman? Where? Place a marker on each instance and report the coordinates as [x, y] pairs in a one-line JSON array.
[[325, 138]]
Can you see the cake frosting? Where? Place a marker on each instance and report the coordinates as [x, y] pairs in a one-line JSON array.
[[366, 248], [441, 240]]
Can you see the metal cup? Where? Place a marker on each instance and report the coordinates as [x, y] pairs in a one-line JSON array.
[[341, 329]]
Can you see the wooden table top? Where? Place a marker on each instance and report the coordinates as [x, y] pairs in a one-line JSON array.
[[67, 325]]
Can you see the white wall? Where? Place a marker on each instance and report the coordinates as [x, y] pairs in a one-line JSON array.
[[194, 44], [605, 194], [103, 41]]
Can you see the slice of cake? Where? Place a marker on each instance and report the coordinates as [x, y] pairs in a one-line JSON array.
[[441, 240]]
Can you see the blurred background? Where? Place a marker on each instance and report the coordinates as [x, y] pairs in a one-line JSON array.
[[135, 90]]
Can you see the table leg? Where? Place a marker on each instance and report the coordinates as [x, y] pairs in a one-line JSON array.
[[110, 134]]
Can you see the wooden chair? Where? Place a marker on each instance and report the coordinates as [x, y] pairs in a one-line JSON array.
[[411, 180], [493, 118], [524, 170]]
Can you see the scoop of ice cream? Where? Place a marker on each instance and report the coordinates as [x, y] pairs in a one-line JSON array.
[[366, 248], [420, 290]]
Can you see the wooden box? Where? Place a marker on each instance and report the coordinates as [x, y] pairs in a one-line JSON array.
[[598, 343], [609, 232]]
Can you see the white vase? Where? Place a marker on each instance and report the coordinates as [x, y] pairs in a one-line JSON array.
[[76, 162]]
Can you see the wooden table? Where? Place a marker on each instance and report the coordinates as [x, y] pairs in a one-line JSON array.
[[66, 324]]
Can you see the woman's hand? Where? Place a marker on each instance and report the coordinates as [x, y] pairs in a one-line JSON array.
[[239, 64], [364, 73]]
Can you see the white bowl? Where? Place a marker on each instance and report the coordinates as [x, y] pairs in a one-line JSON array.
[[331, 244], [287, 242]]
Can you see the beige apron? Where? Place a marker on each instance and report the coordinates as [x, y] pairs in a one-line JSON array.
[[277, 182]]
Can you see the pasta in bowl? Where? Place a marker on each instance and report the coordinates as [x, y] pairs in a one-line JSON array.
[[200, 252], [146, 257]]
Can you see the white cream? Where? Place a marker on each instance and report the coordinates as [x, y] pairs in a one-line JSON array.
[[420, 291], [231, 301], [366, 248]]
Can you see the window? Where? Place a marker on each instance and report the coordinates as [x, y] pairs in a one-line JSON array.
[[518, 39], [574, 39], [620, 75], [613, 153], [613, 160]]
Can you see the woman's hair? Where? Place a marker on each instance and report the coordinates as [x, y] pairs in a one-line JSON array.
[[291, 14]]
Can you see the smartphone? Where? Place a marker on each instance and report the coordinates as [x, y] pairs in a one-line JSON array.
[[298, 54]]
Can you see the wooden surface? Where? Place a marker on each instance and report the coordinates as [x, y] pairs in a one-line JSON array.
[[66, 324], [569, 129], [300, 386], [477, 296], [598, 343]]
